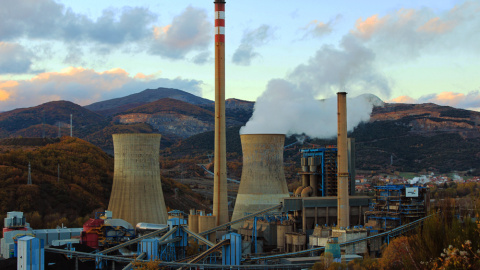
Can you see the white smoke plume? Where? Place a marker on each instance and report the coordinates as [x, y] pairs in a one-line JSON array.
[[292, 107], [285, 109], [301, 139]]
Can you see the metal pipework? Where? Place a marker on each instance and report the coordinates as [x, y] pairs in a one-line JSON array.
[[343, 211], [242, 219], [136, 240], [220, 202]]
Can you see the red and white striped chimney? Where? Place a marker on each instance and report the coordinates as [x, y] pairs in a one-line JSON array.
[[219, 21], [220, 202]]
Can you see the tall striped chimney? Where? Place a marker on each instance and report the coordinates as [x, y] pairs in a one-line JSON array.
[[220, 203], [343, 211]]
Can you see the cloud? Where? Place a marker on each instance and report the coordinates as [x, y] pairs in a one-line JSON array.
[[412, 33], [251, 39], [351, 67], [74, 56], [285, 109], [365, 29], [189, 31], [291, 105], [435, 25], [83, 86], [403, 99], [319, 29], [470, 100], [29, 19], [14, 58], [202, 58]]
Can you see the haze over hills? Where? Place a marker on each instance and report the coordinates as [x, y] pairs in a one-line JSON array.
[[414, 136]]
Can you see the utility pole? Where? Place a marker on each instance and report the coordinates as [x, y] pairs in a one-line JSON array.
[[43, 124], [29, 181]]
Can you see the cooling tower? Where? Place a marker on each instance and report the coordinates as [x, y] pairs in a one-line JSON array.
[[343, 216], [137, 194], [263, 180]]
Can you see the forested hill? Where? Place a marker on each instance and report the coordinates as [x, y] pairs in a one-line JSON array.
[[84, 185], [86, 174]]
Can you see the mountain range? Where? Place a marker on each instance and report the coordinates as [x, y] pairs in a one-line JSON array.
[[409, 137]]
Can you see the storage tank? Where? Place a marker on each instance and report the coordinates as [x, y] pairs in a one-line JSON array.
[[282, 229], [263, 181], [137, 194], [288, 242], [193, 221], [206, 223]]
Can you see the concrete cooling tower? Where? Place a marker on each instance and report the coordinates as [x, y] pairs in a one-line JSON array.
[[263, 181], [137, 194]]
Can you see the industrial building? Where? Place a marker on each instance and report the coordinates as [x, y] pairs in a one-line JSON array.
[[395, 205], [323, 215], [319, 170]]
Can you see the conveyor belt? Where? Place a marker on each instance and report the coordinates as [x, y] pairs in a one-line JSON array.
[[241, 219], [133, 241], [391, 232], [209, 251], [129, 266]]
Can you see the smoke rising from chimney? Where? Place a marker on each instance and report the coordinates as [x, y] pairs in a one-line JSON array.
[[284, 109], [291, 106]]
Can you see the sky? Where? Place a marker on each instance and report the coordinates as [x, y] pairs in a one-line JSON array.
[[88, 51]]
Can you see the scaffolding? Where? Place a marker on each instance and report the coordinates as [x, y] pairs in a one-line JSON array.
[[394, 205], [322, 163]]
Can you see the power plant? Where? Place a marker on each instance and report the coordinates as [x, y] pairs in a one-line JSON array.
[[270, 227], [137, 194], [269, 223], [263, 181]]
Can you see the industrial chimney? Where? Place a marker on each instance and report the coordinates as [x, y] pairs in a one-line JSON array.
[[137, 194], [220, 202], [263, 181], [342, 157]]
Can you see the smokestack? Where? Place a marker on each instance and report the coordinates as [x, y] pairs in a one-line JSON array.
[[137, 194], [220, 202], [342, 157], [263, 181]]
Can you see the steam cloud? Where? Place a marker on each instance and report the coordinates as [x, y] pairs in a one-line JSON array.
[[291, 106], [285, 109]]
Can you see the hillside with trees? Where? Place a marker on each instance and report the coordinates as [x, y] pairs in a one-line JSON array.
[[72, 196], [400, 137]]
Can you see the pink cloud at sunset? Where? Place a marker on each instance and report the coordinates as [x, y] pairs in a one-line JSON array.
[[83, 86], [366, 28], [189, 31], [470, 100], [403, 99], [435, 25], [412, 33]]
